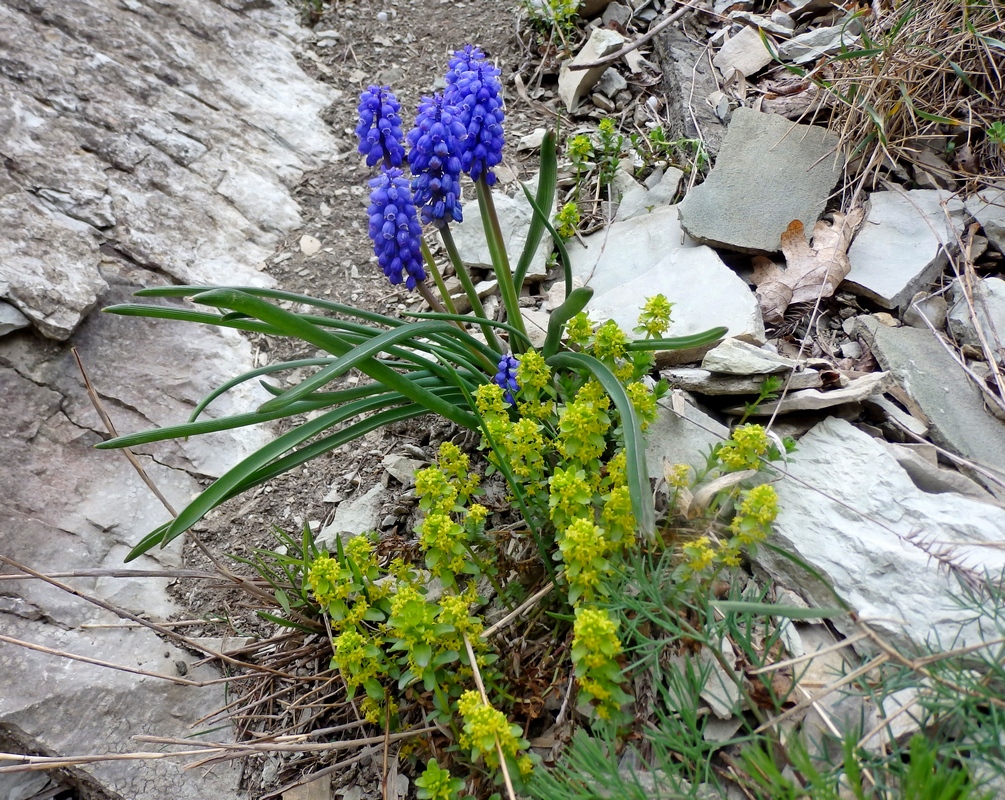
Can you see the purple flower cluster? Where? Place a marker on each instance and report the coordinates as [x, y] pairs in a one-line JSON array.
[[394, 228], [379, 128], [506, 377], [432, 157], [474, 90]]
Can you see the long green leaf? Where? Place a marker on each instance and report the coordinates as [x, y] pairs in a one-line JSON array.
[[464, 318], [274, 294], [499, 257], [635, 447], [563, 253], [292, 325], [187, 315], [573, 304], [680, 342], [357, 357], [279, 366], [547, 182]]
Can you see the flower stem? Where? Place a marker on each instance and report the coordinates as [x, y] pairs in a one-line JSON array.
[[441, 287], [469, 287], [500, 261]]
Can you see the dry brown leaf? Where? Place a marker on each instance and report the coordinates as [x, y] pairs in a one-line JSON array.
[[810, 271]]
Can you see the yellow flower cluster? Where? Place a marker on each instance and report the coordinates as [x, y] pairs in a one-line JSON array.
[[570, 496], [700, 554], [609, 342], [747, 445], [584, 550], [326, 580], [617, 517], [579, 329], [438, 532], [595, 649], [483, 727], [655, 317], [583, 426], [644, 403]]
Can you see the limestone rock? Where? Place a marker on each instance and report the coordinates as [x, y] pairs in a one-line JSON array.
[[640, 200], [733, 357], [815, 400], [744, 52], [681, 438], [704, 382], [853, 514], [768, 173], [11, 319], [901, 246], [815, 43], [574, 84]]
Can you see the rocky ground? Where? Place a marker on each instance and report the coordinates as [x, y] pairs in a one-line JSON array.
[[897, 424]]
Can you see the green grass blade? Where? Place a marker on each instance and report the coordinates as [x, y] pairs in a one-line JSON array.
[[635, 446], [488, 351], [186, 315], [547, 182]]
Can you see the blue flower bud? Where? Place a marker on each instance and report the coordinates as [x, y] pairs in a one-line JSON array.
[[394, 228], [379, 128], [434, 145], [474, 90], [506, 377]]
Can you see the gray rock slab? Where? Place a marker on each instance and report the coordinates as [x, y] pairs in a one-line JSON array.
[[850, 511], [402, 468], [515, 215], [988, 208], [958, 420], [353, 517], [815, 43], [681, 438], [704, 382], [44, 702], [902, 244], [744, 52], [924, 310], [733, 357], [933, 479], [574, 84], [988, 298], [768, 173]]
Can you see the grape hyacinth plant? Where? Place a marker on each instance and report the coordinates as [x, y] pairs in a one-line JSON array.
[[562, 423]]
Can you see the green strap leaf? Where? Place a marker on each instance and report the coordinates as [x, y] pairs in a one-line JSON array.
[[680, 342], [574, 303], [292, 325], [547, 183], [563, 253], [635, 447]]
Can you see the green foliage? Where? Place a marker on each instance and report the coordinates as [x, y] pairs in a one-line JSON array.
[[437, 784], [553, 17], [567, 220], [996, 133]]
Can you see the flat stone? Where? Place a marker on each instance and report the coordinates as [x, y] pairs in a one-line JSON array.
[[815, 43], [769, 172], [309, 245], [957, 418], [402, 468], [924, 310], [515, 215], [989, 303], [988, 208], [705, 293], [901, 247], [11, 319], [536, 323], [681, 438], [318, 789], [573, 85], [781, 27], [853, 514], [744, 52], [611, 83], [704, 382], [733, 357], [640, 200], [532, 141], [814, 400], [353, 517], [617, 12]]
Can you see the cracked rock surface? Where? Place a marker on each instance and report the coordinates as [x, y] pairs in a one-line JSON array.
[[141, 143]]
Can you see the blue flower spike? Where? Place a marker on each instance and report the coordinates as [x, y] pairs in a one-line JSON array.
[[394, 229], [379, 127], [474, 90], [434, 145], [506, 377]]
